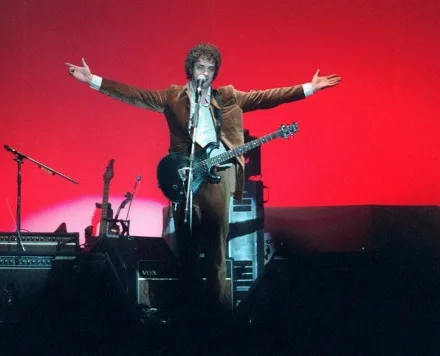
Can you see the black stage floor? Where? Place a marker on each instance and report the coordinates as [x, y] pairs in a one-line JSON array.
[[315, 304]]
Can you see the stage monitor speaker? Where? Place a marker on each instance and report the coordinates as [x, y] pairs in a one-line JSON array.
[[86, 289], [126, 251]]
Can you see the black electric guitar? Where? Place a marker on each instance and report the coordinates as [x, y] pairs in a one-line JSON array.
[[108, 175], [173, 168]]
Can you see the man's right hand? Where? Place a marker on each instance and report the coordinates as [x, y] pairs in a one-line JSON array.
[[83, 74]]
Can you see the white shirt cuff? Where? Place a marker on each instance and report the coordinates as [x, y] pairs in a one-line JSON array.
[[308, 89], [96, 82]]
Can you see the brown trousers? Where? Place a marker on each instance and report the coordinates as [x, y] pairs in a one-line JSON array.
[[209, 236]]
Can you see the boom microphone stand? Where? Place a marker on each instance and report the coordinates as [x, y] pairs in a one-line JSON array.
[[19, 157]]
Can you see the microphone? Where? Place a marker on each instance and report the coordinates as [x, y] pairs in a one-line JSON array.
[[10, 149], [201, 79]]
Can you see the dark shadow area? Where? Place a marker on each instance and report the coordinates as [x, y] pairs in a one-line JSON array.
[[382, 300]]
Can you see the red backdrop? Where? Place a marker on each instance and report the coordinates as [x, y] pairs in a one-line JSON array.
[[372, 140]]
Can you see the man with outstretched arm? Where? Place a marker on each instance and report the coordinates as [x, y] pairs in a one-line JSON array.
[[220, 120]]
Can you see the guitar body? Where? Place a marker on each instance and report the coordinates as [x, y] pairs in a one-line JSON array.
[[169, 173], [108, 176], [173, 168]]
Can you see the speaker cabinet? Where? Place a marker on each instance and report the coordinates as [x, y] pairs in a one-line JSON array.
[[22, 283], [246, 244], [72, 288]]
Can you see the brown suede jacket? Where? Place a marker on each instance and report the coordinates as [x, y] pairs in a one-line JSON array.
[[174, 103]]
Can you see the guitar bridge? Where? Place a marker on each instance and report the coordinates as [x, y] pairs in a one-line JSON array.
[[182, 173]]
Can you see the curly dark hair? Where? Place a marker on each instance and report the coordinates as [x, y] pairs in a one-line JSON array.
[[202, 50]]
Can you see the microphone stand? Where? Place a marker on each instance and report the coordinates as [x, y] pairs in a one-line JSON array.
[[19, 157], [193, 123]]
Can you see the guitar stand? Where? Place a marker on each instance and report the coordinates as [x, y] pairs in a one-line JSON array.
[[119, 227]]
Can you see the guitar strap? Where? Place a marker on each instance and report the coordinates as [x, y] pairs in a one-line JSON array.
[[218, 114]]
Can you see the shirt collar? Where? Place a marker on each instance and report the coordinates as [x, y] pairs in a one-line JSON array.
[[187, 91]]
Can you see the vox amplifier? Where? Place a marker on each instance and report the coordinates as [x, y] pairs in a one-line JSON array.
[[157, 283]]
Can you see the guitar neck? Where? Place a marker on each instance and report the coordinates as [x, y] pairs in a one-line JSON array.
[[104, 210], [223, 157]]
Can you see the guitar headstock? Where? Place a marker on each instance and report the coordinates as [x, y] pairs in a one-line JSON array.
[[108, 174], [288, 130]]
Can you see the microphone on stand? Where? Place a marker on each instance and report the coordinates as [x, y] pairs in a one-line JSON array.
[[10, 149], [201, 79]]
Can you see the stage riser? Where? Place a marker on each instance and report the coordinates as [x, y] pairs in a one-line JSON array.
[[333, 289]]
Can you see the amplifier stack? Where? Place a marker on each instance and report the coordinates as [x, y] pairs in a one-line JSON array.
[[39, 242]]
